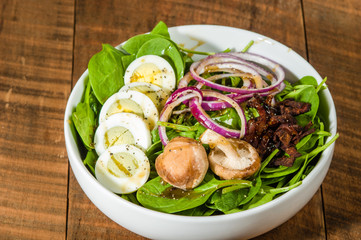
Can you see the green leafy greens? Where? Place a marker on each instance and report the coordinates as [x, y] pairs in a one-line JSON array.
[[213, 196], [216, 196], [106, 72]]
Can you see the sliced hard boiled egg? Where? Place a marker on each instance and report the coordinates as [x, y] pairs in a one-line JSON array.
[[155, 93], [151, 69], [131, 102], [122, 169], [122, 128]]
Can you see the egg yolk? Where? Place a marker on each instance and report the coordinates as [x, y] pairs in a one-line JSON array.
[[125, 105], [118, 135], [149, 73], [122, 165]]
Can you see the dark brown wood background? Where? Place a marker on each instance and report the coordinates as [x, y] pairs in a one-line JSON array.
[[45, 46]]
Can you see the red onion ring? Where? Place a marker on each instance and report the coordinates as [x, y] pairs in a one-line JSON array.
[[224, 65], [203, 118], [241, 62], [179, 96]]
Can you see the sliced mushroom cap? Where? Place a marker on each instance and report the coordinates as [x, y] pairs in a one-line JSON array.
[[183, 163], [230, 158]]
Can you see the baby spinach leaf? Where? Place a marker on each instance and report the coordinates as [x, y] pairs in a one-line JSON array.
[[266, 194], [166, 49], [130, 197], [161, 196], [307, 80], [227, 117], [286, 170], [157, 195], [311, 143], [272, 180], [259, 200], [133, 44], [90, 161], [161, 29], [254, 189], [106, 72], [267, 160], [94, 104], [227, 201], [197, 211], [85, 123], [84, 116], [297, 177], [188, 134], [235, 81], [127, 60]]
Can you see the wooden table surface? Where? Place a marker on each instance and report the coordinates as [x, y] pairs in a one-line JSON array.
[[45, 46]]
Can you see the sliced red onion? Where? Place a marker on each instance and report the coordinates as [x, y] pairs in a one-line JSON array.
[[179, 96], [203, 118], [236, 57], [185, 80], [186, 110], [183, 91], [211, 104], [224, 65], [244, 62], [246, 82]]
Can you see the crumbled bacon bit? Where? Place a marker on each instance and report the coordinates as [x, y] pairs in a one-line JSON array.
[[276, 127]]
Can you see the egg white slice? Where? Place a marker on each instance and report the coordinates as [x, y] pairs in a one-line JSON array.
[[132, 102], [122, 169], [151, 69], [122, 128], [154, 92]]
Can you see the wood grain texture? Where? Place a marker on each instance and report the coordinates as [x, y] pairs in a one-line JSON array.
[[334, 42], [35, 74], [45, 47], [115, 21]]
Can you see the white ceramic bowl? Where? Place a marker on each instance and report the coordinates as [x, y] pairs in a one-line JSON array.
[[247, 224]]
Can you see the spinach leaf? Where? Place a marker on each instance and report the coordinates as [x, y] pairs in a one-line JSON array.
[[254, 189], [90, 161], [307, 80], [161, 29], [197, 211], [130, 197], [286, 170], [94, 104], [84, 119], [85, 123], [235, 81], [133, 44], [106, 72], [227, 117], [227, 201], [288, 88], [161, 196], [166, 49], [127, 60], [266, 194]]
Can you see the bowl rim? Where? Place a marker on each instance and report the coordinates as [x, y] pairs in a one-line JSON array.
[[76, 162]]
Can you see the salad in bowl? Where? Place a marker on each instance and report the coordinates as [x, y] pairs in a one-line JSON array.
[[167, 125]]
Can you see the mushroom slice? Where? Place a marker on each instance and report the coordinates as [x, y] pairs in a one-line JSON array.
[[230, 158], [183, 163]]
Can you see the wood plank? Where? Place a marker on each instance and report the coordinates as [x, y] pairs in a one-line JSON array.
[[115, 21], [35, 76], [334, 42]]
